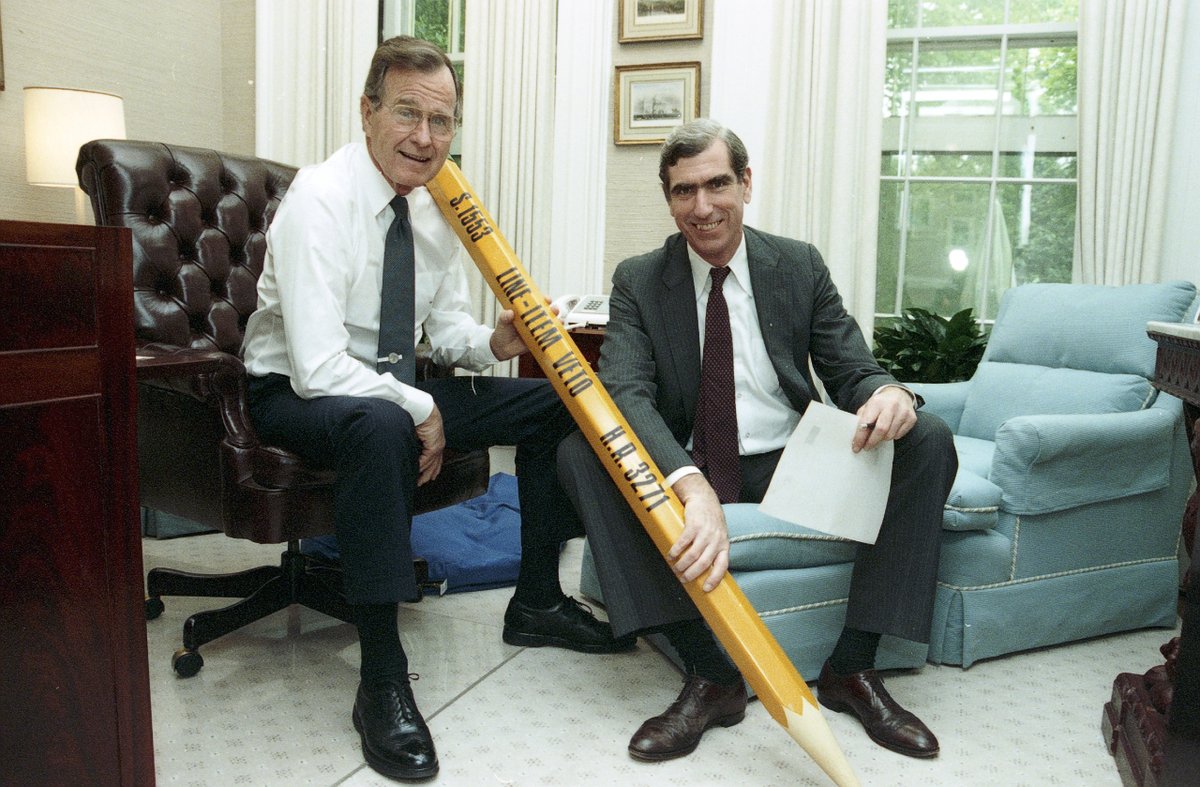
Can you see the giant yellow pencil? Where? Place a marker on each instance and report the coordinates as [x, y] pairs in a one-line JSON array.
[[734, 621]]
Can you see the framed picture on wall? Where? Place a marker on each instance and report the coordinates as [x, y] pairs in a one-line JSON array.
[[653, 99], [660, 20]]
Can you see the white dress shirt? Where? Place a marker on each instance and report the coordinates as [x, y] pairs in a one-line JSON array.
[[765, 416], [319, 293]]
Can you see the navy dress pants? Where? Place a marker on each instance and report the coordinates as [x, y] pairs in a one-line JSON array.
[[373, 447]]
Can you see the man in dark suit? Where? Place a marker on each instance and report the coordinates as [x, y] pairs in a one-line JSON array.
[[707, 355]]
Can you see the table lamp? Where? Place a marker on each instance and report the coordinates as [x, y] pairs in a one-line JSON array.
[[58, 121]]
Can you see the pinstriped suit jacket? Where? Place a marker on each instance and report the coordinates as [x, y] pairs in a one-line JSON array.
[[650, 358]]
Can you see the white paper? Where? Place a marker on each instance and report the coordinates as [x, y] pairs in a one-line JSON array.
[[821, 484]]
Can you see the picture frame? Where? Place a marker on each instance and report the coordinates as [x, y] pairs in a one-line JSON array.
[[659, 20], [651, 100]]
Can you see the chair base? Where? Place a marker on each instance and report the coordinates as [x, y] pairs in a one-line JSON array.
[[298, 579]]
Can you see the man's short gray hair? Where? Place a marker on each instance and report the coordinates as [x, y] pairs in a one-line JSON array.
[[692, 139], [409, 54]]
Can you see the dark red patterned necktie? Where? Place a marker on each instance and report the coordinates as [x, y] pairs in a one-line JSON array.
[[715, 434]]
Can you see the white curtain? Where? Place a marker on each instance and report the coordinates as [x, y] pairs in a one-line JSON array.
[[311, 58], [806, 99], [582, 137], [1129, 52], [821, 157], [508, 126]]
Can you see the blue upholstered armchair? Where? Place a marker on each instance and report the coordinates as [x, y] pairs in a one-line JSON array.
[[1064, 518], [1074, 472]]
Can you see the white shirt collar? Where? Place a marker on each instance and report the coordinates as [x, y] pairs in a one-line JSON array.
[[378, 191], [739, 266]]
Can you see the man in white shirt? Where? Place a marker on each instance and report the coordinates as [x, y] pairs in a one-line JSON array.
[[706, 354], [323, 385]]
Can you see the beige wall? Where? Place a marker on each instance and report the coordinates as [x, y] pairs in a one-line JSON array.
[[186, 78], [636, 217]]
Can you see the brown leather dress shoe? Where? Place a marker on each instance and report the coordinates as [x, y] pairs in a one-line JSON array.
[[701, 704], [862, 695]]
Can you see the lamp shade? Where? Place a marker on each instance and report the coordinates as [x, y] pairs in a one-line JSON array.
[[58, 121]]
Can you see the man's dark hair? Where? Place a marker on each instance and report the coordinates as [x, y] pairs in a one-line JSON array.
[[692, 139], [410, 54]]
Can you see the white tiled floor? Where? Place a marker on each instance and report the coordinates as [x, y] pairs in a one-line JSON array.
[[272, 704]]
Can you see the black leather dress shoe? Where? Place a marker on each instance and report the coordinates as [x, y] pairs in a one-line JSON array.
[[862, 695], [701, 704], [568, 624], [395, 740]]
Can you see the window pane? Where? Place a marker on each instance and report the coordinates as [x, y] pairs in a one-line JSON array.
[[1037, 165], [944, 254], [1039, 229], [897, 81], [887, 271], [954, 125], [433, 22], [968, 164], [1040, 81], [957, 80], [902, 13], [1034, 11], [954, 13]]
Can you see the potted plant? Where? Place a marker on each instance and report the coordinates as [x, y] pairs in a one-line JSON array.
[[923, 347]]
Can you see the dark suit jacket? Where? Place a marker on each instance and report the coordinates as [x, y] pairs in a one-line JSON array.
[[650, 358]]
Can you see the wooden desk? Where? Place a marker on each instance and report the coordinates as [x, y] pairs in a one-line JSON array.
[[74, 685], [587, 339], [1152, 723]]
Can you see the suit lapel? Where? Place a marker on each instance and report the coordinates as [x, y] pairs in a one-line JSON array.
[[770, 296], [680, 323]]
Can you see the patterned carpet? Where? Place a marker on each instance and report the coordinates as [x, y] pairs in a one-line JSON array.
[[272, 704]]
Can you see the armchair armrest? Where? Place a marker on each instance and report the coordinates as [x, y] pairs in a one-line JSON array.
[[207, 374], [945, 400], [1047, 463]]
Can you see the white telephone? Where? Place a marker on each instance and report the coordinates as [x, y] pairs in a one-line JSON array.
[[580, 310]]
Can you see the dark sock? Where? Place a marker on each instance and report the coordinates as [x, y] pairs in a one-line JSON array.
[[537, 582], [383, 656], [854, 652], [700, 652]]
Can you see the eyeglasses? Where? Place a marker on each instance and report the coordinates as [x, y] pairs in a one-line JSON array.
[[407, 117]]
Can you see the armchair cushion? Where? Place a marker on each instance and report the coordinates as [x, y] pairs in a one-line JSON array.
[[1000, 391], [1084, 326], [759, 542], [974, 503]]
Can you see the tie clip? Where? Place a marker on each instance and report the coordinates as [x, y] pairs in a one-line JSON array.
[[390, 358]]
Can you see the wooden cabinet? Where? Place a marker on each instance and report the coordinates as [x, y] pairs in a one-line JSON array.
[[1152, 723], [74, 687]]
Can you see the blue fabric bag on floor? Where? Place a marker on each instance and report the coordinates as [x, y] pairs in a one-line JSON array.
[[474, 545]]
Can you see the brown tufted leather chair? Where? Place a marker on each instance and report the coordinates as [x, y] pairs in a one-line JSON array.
[[199, 221]]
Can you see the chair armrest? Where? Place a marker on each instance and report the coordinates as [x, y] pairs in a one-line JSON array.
[[1047, 463], [945, 400], [209, 374], [163, 362]]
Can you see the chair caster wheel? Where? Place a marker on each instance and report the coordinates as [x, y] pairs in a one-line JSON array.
[[154, 607], [186, 663]]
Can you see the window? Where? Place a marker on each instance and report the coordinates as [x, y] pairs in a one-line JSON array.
[[978, 179], [441, 21]]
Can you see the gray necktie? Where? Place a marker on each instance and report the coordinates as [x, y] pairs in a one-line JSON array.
[[397, 313]]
